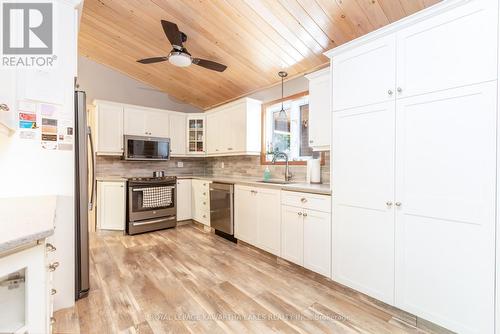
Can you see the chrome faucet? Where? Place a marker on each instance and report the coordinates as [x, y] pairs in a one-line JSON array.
[[276, 155]]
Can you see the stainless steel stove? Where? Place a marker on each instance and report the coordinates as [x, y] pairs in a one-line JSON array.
[[151, 204]]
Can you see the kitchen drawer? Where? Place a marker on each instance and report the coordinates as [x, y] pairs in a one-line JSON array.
[[306, 201]]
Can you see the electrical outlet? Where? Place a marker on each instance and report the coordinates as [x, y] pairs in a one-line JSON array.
[[222, 164], [180, 164]]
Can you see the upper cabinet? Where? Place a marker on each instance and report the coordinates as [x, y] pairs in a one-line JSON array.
[[196, 129], [366, 72], [431, 59], [145, 122], [235, 128], [319, 110], [108, 128], [177, 132]]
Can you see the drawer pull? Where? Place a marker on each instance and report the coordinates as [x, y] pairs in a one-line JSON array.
[[53, 292], [50, 247], [52, 320], [303, 200], [204, 203], [4, 107], [204, 194], [53, 266], [204, 216]]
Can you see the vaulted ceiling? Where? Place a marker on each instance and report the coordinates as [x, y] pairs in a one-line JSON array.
[[254, 38]]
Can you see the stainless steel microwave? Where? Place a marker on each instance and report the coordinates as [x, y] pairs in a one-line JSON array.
[[146, 148]]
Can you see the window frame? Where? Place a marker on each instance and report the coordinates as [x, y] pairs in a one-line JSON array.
[[263, 132]]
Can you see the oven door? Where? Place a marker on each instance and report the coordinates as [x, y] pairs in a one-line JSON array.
[[146, 148], [136, 210]]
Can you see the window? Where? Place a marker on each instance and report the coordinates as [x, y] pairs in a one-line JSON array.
[[288, 134]]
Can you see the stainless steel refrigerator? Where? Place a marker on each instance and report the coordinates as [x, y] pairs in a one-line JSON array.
[[84, 194]]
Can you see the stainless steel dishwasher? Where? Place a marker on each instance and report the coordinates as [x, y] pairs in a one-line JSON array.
[[222, 210]]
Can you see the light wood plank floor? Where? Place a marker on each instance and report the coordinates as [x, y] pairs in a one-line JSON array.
[[185, 280]]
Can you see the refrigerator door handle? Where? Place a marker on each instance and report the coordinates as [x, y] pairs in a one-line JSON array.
[[89, 133]]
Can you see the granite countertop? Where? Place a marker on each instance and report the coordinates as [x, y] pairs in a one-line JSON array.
[[322, 189], [26, 219]]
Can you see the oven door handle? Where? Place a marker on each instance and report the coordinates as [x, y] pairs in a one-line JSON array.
[[153, 221]]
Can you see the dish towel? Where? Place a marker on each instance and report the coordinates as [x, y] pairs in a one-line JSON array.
[[156, 197]]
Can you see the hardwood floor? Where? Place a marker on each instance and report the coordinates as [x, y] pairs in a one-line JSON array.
[[185, 280]]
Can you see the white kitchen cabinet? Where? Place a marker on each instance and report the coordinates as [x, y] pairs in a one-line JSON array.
[[234, 128], [201, 201], [364, 75], [363, 229], [196, 134], [317, 241], [268, 220], [108, 128], [320, 111], [177, 133], [306, 233], [431, 54], [145, 122], [257, 217], [25, 308], [111, 205], [183, 200], [245, 215], [415, 204], [445, 213], [292, 234]]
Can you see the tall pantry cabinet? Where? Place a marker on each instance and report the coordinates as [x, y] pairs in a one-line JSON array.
[[415, 161]]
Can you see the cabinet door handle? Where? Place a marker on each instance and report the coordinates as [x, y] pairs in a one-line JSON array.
[[52, 320], [229, 148], [204, 194], [399, 204], [400, 90], [50, 247], [53, 292], [204, 203], [4, 107], [388, 203], [299, 213], [305, 214], [53, 266], [390, 92], [311, 141], [204, 216], [303, 200]]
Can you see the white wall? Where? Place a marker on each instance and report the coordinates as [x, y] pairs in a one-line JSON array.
[[291, 87], [102, 82]]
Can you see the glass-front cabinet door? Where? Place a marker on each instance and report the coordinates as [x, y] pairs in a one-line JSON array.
[[196, 134]]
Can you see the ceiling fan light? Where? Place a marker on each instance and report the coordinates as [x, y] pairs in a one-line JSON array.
[[179, 59]]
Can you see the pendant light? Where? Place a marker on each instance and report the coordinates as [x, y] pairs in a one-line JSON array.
[[282, 120]]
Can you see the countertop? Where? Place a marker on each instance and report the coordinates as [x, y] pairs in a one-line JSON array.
[[25, 219], [322, 189]]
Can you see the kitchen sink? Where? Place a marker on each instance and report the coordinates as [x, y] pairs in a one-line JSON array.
[[275, 181]]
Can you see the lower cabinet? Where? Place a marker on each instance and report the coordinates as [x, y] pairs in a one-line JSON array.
[[257, 217], [200, 190], [305, 238], [25, 291], [111, 205], [183, 200]]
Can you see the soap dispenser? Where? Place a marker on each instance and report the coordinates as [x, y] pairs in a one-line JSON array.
[[267, 174]]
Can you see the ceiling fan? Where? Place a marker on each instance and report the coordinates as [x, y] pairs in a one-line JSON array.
[[179, 56]]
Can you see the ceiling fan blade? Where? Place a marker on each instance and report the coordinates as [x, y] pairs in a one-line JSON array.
[[172, 32], [152, 60], [211, 65]]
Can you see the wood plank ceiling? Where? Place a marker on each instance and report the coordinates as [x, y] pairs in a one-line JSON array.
[[254, 38]]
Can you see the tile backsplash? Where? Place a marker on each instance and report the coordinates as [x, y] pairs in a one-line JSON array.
[[238, 166], [249, 166]]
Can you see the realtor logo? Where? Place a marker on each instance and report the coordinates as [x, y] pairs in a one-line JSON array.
[[27, 28]]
